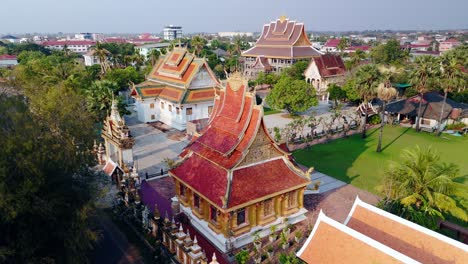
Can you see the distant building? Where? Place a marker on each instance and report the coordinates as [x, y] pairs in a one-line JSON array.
[[323, 71], [78, 46], [330, 46], [448, 44], [10, 39], [372, 235], [84, 36], [282, 43], [353, 49], [180, 88], [235, 34], [90, 59], [172, 32], [7, 61], [143, 41], [145, 49]]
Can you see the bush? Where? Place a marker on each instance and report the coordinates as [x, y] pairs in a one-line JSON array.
[[242, 257], [374, 120], [455, 126]]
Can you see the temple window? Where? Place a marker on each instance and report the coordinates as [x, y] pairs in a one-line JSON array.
[[170, 108], [189, 111], [181, 190], [241, 216], [213, 214], [292, 199], [196, 201], [177, 110], [210, 109], [162, 105], [152, 105], [268, 207], [153, 117]]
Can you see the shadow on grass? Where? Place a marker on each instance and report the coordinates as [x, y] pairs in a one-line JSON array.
[[395, 139]]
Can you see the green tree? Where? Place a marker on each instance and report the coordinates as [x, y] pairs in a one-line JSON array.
[[342, 45], [366, 81], [336, 93], [100, 96], [389, 53], [215, 44], [124, 77], [452, 76], [292, 95], [102, 54], [424, 187], [385, 92], [423, 77], [296, 71], [153, 56], [355, 59], [197, 44]]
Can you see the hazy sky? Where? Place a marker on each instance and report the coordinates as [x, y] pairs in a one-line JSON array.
[[108, 16]]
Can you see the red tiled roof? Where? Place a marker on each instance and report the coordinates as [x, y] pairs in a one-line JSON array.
[[7, 57], [330, 65], [332, 43], [274, 177], [282, 52], [354, 48]]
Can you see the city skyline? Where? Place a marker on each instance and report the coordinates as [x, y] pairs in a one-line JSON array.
[[211, 16]]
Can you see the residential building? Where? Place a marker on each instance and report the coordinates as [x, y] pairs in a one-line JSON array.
[[372, 235], [330, 46], [235, 34], [180, 88], [7, 61], [78, 46], [234, 179], [323, 71], [10, 39], [83, 36], [90, 59], [145, 49], [172, 32], [282, 43], [448, 44]]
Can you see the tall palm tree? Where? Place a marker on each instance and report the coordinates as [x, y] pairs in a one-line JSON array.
[[198, 43], [342, 45], [451, 78], [421, 181], [385, 92], [153, 56], [367, 79], [101, 53], [426, 68]]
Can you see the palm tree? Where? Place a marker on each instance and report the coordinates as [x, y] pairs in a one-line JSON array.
[[153, 56], [356, 58], [100, 95], [451, 78], [198, 43], [385, 92], [342, 45], [421, 182], [102, 54], [425, 70], [367, 79]]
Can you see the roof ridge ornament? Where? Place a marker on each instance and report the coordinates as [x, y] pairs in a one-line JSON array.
[[283, 18], [235, 81]]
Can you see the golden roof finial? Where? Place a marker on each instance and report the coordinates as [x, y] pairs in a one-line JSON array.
[[283, 18]]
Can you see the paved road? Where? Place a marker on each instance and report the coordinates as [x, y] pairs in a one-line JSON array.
[[113, 246]]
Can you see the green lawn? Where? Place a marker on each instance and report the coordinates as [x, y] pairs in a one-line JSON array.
[[270, 111], [355, 161]]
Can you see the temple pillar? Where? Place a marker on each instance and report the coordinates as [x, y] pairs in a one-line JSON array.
[[300, 198]]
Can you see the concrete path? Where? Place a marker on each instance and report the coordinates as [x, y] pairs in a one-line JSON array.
[[327, 183], [152, 146]]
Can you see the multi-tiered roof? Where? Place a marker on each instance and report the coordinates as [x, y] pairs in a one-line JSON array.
[[235, 162], [179, 77], [283, 38]]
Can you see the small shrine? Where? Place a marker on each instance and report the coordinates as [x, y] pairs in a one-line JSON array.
[[117, 138]]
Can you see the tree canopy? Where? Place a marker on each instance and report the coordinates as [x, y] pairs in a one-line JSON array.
[[389, 53]]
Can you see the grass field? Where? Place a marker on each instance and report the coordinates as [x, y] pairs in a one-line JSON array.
[[355, 161], [269, 111]]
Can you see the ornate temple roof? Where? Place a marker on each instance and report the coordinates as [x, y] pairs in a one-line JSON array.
[[115, 129], [172, 77], [235, 154], [283, 38]]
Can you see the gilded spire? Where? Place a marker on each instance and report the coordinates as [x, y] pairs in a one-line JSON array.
[[282, 18]]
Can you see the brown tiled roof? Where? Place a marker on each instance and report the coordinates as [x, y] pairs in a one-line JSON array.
[[415, 241], [330, 65]]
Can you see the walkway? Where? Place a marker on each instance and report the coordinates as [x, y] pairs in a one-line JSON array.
[[152, 146], [327, 183]]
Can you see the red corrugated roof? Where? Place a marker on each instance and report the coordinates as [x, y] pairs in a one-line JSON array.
[[7, 57], [68, 43], [330, 65], [332, 43]]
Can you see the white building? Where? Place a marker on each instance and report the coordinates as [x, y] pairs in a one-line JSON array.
[[90, 59], [78, 46], [172, 32], [180, 88], [235, 34], [10, 38], [7, 61], [323, 71], [144, 50]]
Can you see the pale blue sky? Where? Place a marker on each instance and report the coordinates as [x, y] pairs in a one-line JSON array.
[[109, 16]]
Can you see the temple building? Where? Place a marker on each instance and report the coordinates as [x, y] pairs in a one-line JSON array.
[[323, 71], [372, 235], [282, 43], [180, 88], [233, 179], [117, 138]]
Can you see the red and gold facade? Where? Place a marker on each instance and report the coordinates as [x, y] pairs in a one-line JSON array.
[[234, 178]]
